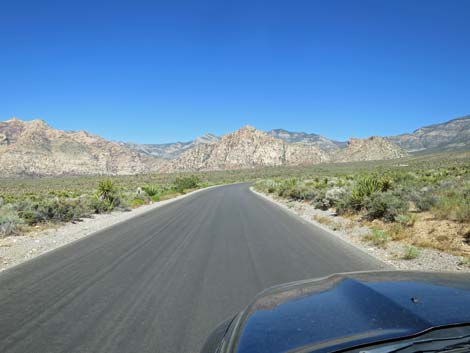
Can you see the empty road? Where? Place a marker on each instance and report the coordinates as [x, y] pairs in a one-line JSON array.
[[161, 281]]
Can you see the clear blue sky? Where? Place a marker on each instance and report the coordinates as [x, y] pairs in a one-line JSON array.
[[159, 71]]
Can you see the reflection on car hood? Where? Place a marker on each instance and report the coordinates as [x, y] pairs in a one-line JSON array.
[[347, 310]]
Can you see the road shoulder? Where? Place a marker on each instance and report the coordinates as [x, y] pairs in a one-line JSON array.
[[17, 249], [340, 228]]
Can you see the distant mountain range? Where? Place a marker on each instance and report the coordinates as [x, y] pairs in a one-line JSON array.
[[32, 148], [307, 139], [453, 135], [251, 148], [171, 150]]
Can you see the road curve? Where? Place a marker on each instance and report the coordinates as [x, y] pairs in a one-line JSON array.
[[161, 281]]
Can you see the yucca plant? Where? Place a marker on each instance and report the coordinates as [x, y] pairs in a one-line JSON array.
[[151, 190], [366, 186], [106, 189]]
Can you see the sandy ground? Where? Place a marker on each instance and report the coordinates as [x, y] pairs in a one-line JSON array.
[[17, 249], [428, 259]]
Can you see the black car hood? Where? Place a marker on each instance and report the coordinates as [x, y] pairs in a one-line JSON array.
[[348, 310]]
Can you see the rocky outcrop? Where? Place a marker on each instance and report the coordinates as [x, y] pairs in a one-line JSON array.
[[369, 149], [172, 150], [247, 148], [307, 139], [453, 135], [32, 148]]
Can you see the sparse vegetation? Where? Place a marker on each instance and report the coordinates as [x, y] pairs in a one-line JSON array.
[[378, 237], [411, 252], [464, 261], [151, 190], [25, 203], [186, 183], [408, 200]]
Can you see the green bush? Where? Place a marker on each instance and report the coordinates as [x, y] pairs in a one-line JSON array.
[[365, 186], [184, 183], [411, 252], [136, 202], [464, 261], [328, 198], [107, 197], [424, 200], [268, 185], [106, 189], [384, 205], [298, 192], [55, 210], [285, 186], [319, 200], [455, 207], [151, 190], [9, 222], [407, 220], [378, 237], [101, 206]]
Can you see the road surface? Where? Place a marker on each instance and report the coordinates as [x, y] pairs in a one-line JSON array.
[[161, 281]]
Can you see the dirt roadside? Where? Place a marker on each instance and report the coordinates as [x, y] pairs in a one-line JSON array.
[[356, 235], [20, 248]]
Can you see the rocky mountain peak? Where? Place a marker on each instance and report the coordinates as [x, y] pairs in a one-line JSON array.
[[369, 149], [14, 120], [34, 148], [246, 148], [207, 138], [247, 128]]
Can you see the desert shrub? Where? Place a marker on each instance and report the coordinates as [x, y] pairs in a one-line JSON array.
[[101, 206], [55, 210], [365, 186], [269, 186], [106, 197], [106, 190], [335, 194], [411, 252], [378, 237], [424, 199], [464, 261], [151, 190], [453, 206], [9, 222], [136, 202], [319, 200], [183, 183], [344, 206], [284, 187], [8, 199], [326, 199], [407, 220], [384, 205], [298, 192], [398, 231]]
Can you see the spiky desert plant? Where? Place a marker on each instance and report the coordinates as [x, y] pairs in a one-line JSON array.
[[151, 190], [106, 190]]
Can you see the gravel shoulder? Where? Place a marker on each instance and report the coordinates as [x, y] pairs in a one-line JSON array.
[[17, 249], [352, 233]]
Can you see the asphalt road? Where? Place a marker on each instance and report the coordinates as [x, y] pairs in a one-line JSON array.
[[161, 281]]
